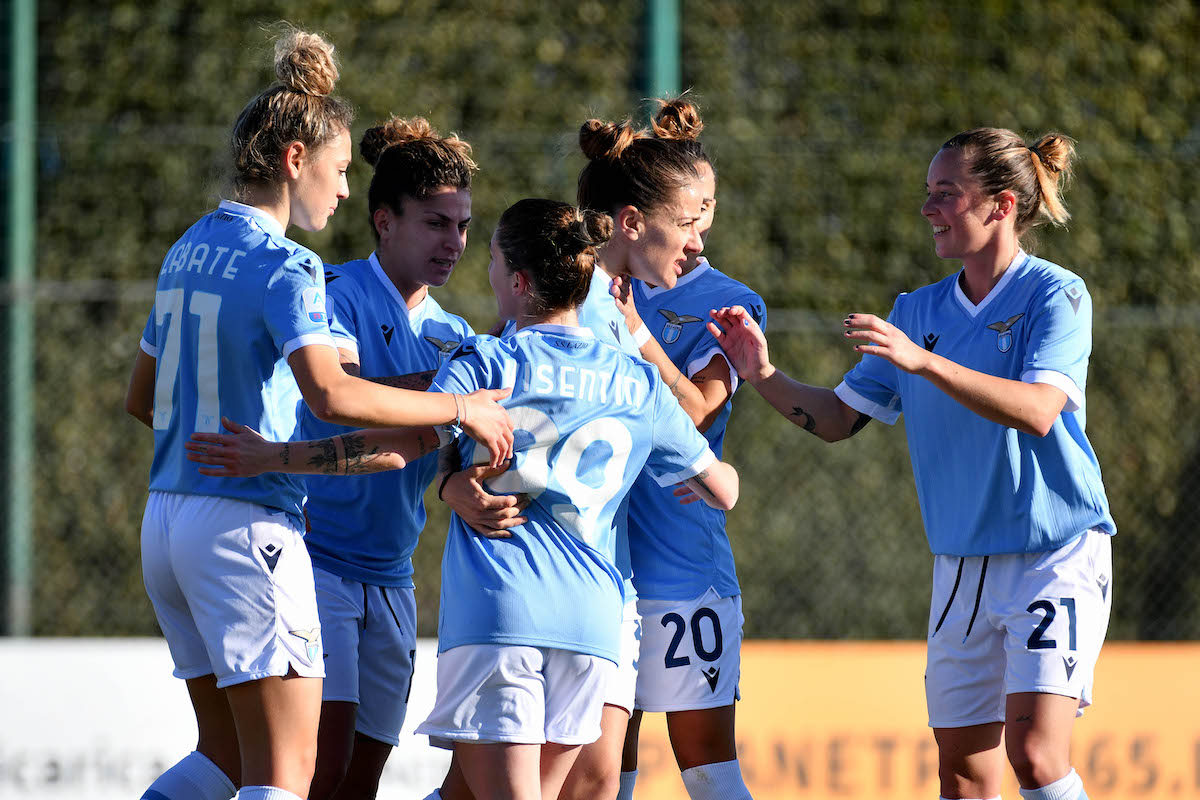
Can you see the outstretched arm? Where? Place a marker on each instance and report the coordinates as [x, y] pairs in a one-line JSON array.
[[1028, 407], [816, 409], [244, 453]]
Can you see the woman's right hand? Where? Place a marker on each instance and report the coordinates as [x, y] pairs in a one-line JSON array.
[[486, 421], [743, 341], [487, 514]]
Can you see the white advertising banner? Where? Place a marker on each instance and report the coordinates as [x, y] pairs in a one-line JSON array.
[[99, 719]]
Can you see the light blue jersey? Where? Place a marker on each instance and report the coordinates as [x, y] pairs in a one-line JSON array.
[[986, 489], [235, 298], [588, 418], [366, 528], [599, 314], [679, 552]]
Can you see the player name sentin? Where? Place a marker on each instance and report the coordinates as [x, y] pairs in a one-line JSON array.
[[566, 380]]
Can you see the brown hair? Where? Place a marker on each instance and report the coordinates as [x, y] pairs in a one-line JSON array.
[[412, 160], [630, 167], [300, 108], [555, 244], [678, 120], [1037, 175]]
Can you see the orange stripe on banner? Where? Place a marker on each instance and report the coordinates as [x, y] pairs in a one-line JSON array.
[[846, 720]]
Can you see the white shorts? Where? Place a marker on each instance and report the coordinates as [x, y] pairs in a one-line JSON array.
[[622, 684], [370, 645], [1029, 622], [522, 695], [691, 653], [232, 587]]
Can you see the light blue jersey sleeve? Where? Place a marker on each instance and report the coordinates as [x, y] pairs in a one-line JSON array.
[[677, 450], [343, 301], [874, 386], [294, 305], [1060, 341]]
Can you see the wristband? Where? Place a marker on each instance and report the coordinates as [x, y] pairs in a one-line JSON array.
[[443, 485], [641, 336]]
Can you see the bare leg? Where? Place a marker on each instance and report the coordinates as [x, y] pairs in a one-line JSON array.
[[629, 754], [335, 748], [277, 720], [970, 762], [366, 768], [218, 736], [556, 762], [705, 736], [1038, 736], [501, 771], [596, 774]]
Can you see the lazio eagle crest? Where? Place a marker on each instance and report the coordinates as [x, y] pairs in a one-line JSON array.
[[1004, 337], [674, 326]]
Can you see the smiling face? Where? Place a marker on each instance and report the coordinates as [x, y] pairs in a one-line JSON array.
[[960, 213], [420, 246], [669, 237], [321, 183]]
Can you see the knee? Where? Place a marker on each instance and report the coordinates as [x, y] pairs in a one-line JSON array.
[[589, 784], [1036, 766]]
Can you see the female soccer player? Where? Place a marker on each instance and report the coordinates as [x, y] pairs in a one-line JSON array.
[[530, 624], [389, 330], [683, 569], [238, 328], [652, 190], [1010, 489]]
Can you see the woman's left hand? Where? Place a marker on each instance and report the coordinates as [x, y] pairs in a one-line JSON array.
[[879, 337], [622, 291]]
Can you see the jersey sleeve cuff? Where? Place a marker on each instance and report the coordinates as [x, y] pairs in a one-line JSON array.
[[293, 345], [1059, 381], [696, 467], [862, 405], [148, 349], [342, 343], [702, 361]]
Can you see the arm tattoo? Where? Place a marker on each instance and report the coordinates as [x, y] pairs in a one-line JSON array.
[[286, 456], [674, 383], [699, 479], [326, 459], [860, 423], [803, 419], [417, 381], [424, 446]]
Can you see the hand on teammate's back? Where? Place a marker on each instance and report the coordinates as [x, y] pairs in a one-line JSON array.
[[487, 514], [486, 421]]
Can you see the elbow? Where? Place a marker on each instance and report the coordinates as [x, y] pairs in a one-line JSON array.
[[1040, 427], [325, 407]]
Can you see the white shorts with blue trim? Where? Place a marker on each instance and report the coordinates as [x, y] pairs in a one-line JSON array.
[[232, 588], [691, 655], [370, 646], [1003, 624]]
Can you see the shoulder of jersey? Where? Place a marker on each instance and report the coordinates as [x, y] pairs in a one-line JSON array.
[[1050, 273], [345, 278]]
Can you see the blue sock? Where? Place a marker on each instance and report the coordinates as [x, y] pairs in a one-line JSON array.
[[195, 777], [1068, 787], [628, 779]]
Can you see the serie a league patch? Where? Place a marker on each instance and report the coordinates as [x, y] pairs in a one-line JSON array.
[[314, 304]]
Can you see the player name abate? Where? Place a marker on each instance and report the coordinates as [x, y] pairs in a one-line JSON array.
[[203, 260]]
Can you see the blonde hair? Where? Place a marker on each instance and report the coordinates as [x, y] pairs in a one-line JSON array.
[[1037, 174], [299, 108]]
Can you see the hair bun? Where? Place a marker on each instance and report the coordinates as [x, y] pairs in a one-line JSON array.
[[678, 120], [1055, 151], [606, 140], [393, 132], [304, 63]]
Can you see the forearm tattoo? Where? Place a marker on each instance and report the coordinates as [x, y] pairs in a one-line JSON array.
[[699, 479], [358, 460], [678, 394], [417, 381], [286, 455], [325, 460], [804, 419]]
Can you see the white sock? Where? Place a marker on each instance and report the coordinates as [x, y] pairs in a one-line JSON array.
[[1068, 787], [721, 781], [195, 777], [628, 779], [436, 794], [266, 793], [997, 797]]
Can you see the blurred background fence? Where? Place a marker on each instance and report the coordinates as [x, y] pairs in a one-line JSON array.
[[822, 117]]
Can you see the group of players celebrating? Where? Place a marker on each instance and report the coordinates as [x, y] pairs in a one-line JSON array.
[[587, 576]]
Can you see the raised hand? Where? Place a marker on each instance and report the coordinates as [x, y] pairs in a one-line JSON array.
[[621, 290], [878, 337], [743, 341]]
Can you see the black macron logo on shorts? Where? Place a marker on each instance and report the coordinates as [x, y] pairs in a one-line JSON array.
[[270, 554], [712, 675]]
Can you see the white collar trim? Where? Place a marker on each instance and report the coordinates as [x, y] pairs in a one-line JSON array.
[[269, 223], [391, 289], [973, 310], [702, 266]]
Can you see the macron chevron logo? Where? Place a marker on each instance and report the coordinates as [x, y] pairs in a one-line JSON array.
[[1069, 663], [712, 675]]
